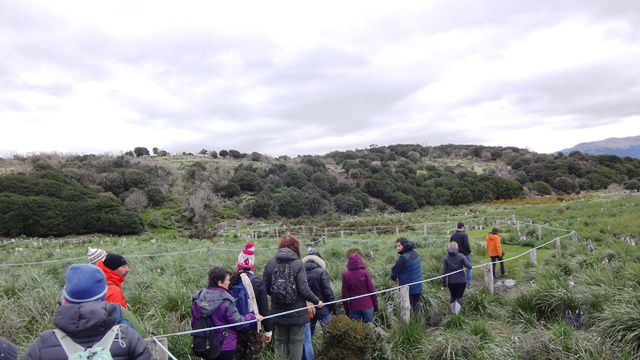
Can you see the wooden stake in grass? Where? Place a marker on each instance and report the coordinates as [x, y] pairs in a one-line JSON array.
[[488, 277], [425, 230], [539, 232], [156, 351], [534, 257], [405, 305], [557, 247]]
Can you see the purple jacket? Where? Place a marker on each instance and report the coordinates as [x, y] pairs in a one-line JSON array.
[[357, 281], [220, 305]]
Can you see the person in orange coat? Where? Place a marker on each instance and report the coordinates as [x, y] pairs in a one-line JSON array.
[[494, 249], [115, 269]]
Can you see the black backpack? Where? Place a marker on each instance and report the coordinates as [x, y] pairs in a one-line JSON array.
[[205, 343], [283, 285]]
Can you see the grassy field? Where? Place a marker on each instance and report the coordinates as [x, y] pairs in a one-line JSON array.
[[525, 322]]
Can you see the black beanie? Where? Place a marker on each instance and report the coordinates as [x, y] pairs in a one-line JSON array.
[[114, 261]]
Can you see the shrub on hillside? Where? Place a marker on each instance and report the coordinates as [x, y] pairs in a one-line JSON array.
[[542, 188], [37, 205]]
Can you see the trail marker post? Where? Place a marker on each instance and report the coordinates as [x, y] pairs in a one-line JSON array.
[[405, 305], [534, 257], [488, 277]]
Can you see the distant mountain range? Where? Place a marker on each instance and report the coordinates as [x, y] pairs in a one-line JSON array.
[[627, 146]]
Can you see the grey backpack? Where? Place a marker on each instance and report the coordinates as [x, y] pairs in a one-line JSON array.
[[99, 350]]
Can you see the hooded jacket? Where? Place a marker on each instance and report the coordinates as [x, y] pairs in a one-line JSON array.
[[451, 262], [114, 292], [298, 318], [494, 247], [220, 306], [318, 279], [407, 269], [357, 281], [261, 297], [86, 324]]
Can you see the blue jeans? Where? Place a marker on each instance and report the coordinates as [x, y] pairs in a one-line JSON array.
[[469, 270], [324, 322], [366, 316], [307, 346]]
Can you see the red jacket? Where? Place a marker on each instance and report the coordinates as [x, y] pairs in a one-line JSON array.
[[114, 292], [357, 281]]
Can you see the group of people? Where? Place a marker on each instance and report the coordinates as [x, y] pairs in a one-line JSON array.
[[298, 288], [284, 305]]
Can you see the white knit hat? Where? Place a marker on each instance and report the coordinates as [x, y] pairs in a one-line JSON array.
[[96, 255]]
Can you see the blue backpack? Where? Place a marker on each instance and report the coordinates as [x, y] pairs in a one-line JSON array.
[[239, 292]]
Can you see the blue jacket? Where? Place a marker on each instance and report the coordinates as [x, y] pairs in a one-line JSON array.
[[407, 269]]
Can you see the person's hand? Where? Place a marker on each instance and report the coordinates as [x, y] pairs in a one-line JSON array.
[[395, 281], [267, 337], [320, 304], [259, 317]]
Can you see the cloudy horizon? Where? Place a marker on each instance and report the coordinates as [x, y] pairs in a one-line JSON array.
[[292, 77]]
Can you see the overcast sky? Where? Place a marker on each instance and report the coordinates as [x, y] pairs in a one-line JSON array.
[[298, 78]]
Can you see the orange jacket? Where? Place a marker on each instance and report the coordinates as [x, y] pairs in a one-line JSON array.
[[114, 292], [494, 247]]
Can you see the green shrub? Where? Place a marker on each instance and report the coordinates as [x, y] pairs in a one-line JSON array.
[[620, 321], [351, 340]]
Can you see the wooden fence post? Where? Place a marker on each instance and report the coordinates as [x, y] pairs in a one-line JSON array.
[[557, 247], [326, 233], [539, 232], [425, 231], [374, 231], [277, 236], [534, 257], [397, 231], [488, 277], [405, 305], [156, 351], [341, 234]]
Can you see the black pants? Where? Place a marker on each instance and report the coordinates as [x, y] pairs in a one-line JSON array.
[[493, 265], [456, 291], [227, 355], [414, 301]]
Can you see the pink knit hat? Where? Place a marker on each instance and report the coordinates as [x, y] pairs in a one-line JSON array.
[[246, 257]]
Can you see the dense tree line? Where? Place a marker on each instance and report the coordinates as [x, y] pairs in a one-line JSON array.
[[47, 202]]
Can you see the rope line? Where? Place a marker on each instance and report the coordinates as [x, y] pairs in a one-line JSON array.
[[358, 296]]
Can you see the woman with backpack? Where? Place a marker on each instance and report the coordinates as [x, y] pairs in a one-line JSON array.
[[214, 306], [286, 282], [251, 296], [452, 262], [357, 281]]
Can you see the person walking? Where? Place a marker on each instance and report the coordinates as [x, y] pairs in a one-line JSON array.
[[218, 305], [455, 262], [494, 249], [407, 270], [357, 281], [318, 279], [250, 341], [115, 268], [286, 282], [462, 239], [85, 320]]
